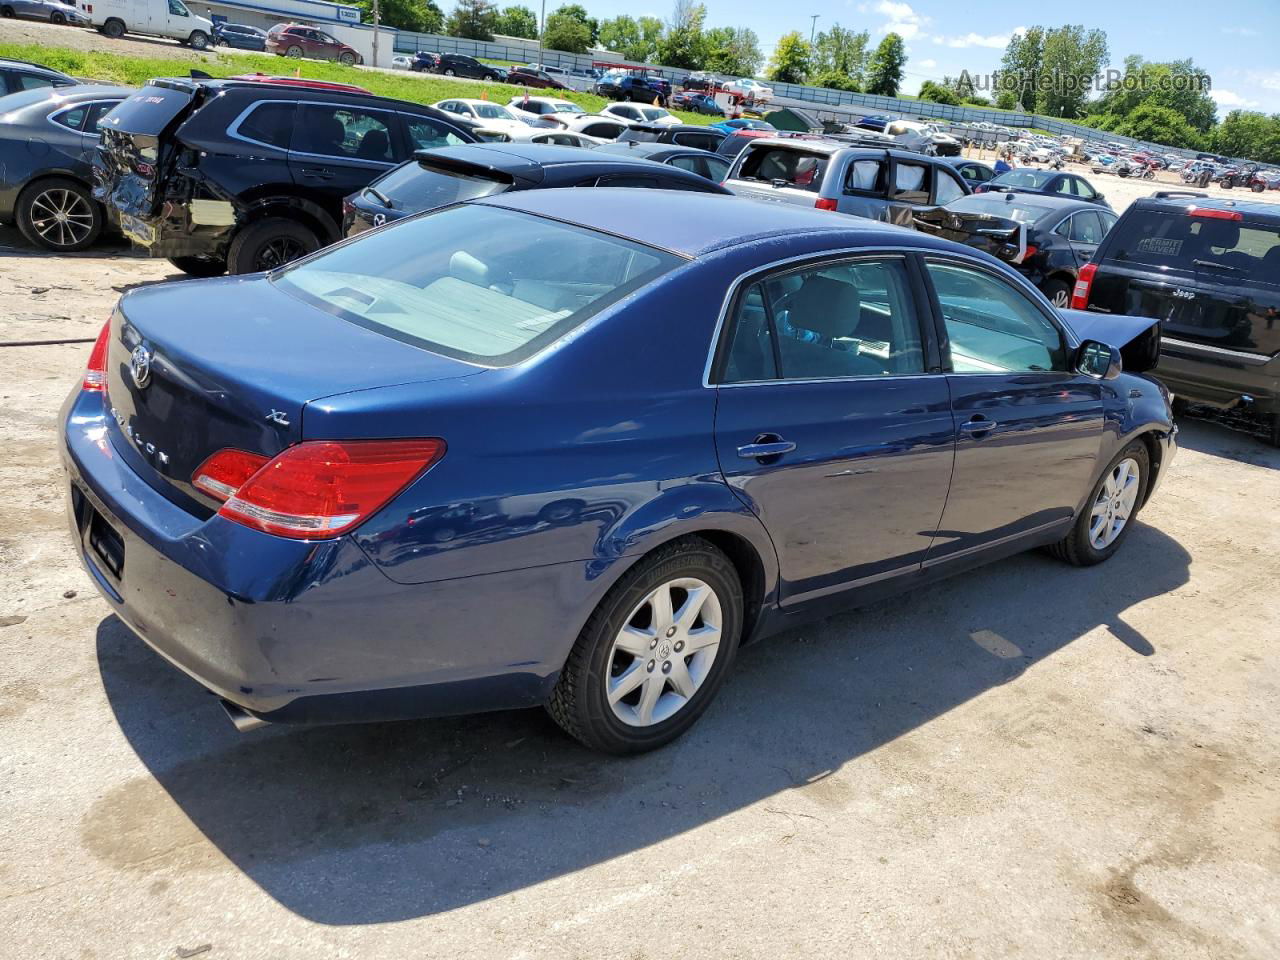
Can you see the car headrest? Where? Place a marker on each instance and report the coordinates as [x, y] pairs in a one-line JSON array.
[[374, 145], [463, 266], [1224, 234], [325, 133], [828, 307], [1271, 262]]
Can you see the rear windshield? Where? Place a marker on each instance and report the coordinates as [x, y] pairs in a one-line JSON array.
[[148, 111], [794, 168], [419, 186], [1226, 248], [473, 282], [1031, 179], [1017, 209]]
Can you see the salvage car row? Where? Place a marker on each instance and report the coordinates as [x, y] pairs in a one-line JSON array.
[[541, 444]]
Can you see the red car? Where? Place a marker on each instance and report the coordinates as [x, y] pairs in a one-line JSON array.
[[529, 77], [293, 40]]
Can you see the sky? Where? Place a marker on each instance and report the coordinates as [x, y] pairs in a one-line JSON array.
[[1237, 49]]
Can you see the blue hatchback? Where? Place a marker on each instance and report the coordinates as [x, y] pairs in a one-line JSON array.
[[574, 447]]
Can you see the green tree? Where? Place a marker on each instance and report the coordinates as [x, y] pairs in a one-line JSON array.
[[1247, 134], [835, 80], [578, 12], [1020, 67], [839, 50], [473, 19], [732, 50], [1007, 100], [1071, 58], [422, 16], [1157, 124], [790, 62], [634, 39], [517, 22], [683, 43], [938, 93], [961, 86], [884, 72], [564, 31], [1179, 85]]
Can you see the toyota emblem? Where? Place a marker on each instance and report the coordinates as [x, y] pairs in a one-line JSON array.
[[140, 366]]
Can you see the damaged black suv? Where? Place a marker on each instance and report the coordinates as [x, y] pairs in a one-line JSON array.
[[243, 175]]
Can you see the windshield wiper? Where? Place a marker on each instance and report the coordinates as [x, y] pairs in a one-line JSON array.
[[1216, 265], [380, 197]]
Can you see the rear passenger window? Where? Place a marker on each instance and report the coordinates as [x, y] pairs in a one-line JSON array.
[[910, 183], [269, 123], [840, 320], [1086, 228], [993, 327], [793, 168], [427, 134], [863, 175], [340, 131], [73, 119]]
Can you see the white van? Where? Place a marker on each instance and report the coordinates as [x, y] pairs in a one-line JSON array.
[[158, 18]]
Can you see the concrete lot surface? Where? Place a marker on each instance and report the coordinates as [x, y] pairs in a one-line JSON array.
[[1027, 761]]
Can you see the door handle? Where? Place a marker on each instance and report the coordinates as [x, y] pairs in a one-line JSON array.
[[767, 446], [978, 424], [317, 173]]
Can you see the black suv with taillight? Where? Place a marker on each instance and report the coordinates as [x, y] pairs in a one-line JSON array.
[[246, 175], [1209, 270]]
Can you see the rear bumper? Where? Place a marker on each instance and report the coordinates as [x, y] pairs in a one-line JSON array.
[[301, 632], [1222, 378]]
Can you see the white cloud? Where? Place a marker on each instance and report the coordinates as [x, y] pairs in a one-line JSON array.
[[1241, 31], [1268, 81], [900, 18], [1226, 98], [996, 41], [928, 64]]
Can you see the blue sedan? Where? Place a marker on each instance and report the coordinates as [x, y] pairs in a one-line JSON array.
[[743, 123], [575, 447]]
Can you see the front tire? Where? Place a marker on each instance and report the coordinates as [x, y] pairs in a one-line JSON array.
[[59, 214], [1109, 513], [57, 19], [346, 59], [654, 653], [199, 40], [270, 243]]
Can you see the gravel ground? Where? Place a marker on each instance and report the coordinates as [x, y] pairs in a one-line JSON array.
[[1027, 761]]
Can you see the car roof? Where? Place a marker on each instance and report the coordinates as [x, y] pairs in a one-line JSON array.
[[1048, 201], [693, 224], [1178, 200], [827, 146], [11, 64], [520, 158], [622, 148], [957, 161], [56, 96]]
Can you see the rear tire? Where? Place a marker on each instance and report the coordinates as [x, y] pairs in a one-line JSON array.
[[270, 243], [667, 646], [57, 19], [1091, 540], [1058, 292], [7, 13], [59, 214], [294, 52], [200, 266], [113, 28]]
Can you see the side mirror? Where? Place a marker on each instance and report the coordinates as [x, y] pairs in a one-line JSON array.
[[1100, 196], [1098, 360]]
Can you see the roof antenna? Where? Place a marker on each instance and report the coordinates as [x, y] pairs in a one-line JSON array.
[[200, 75]]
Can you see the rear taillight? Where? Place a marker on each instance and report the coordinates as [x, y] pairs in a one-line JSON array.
[[825, 203], [1215, 214], [318, 489], [95, 373], [1031, 251], [1084, 280], [226, 472]]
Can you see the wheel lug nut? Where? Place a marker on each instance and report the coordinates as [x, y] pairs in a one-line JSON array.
[[653, 643], [679, 645], [666, 667], [650, 666]]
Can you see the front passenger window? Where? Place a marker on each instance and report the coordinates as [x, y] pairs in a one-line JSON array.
[[992, 326]]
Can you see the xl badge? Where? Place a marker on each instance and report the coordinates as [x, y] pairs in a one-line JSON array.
[[140, 366]]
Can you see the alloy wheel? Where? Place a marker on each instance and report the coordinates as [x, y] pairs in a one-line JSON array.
[[664, 652], [1114, 504], [278, 252], [1061, 299], [61, 217]]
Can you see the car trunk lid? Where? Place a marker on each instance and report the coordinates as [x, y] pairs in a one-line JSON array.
[[234, 368], [135, 149], [1002, 237]]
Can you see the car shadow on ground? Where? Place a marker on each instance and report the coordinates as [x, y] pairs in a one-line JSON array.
[[1219, 440], [384, 822]]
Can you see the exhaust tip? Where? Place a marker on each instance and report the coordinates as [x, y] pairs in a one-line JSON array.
[[244, 720]]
